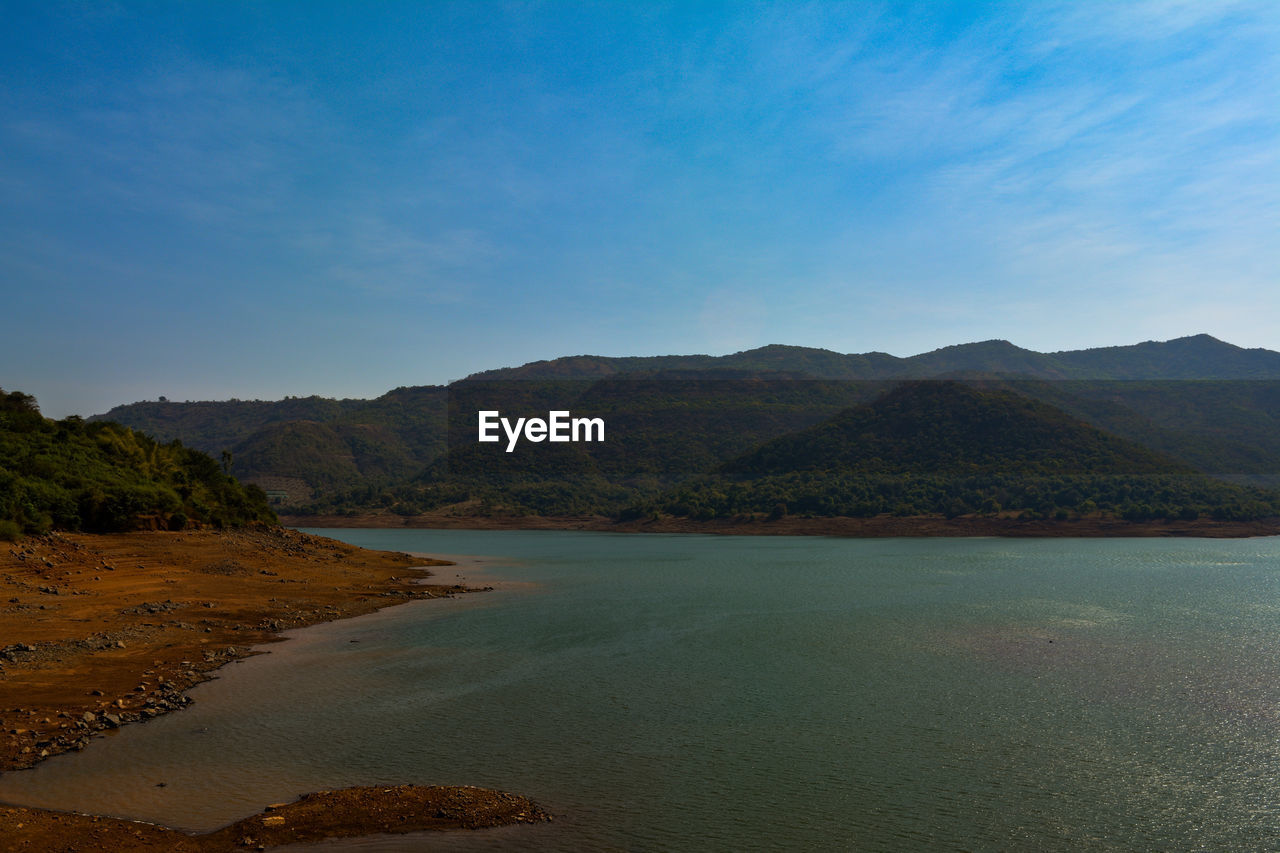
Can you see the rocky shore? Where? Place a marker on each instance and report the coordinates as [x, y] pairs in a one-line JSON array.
[[100, 631], [347, 813]]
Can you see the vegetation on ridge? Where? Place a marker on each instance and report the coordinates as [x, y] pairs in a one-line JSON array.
[[945, 448], [100, 476], [673, 421]]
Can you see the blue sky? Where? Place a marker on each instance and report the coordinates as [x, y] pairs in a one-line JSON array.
[[213, 200]]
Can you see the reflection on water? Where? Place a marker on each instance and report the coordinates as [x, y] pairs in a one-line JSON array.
[[683, 692]]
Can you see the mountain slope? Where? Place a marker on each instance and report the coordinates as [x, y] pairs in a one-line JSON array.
[[676, 416], [948, 448], [328, 444], [952, 428], [101, 476]]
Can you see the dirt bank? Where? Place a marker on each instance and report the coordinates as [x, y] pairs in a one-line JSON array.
[[346, 813], [100, 631]]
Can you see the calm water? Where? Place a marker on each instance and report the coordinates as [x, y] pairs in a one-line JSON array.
[[713, 693]]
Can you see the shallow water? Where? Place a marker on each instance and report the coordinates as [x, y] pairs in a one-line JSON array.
[[740, 693]]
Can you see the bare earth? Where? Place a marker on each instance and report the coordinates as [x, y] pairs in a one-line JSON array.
[[98, 631]]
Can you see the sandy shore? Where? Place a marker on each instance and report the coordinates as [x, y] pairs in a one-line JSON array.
[[99, 631], [879, 526]]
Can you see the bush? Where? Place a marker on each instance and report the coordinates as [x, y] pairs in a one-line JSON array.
[[9, 531], [99, 476]]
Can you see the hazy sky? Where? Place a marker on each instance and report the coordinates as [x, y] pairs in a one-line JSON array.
[[213, 199]]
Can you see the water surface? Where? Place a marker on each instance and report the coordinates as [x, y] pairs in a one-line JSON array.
[[741, 693]]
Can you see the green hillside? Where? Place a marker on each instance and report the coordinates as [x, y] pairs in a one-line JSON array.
[[662, 429], [1222, 428], [1209, 404], [955, 429], [332, 445], [949, 448], [215, 426], [101, 476]]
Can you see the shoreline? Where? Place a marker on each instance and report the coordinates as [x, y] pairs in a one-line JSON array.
[[345, 813], [106, 630], [875, 527]]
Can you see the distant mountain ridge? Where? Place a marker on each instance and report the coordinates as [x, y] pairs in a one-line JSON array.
[[1204, 402], [1194, 357]]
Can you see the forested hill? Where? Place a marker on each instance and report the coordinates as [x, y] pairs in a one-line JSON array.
[[73, 475], [1195, 357], [323, 444], [932, 427], [946, 448], [1207, 403]]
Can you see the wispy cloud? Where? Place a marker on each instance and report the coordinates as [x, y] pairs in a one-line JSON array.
[[1052, 143], [888, 175], [204, 143], [379, 257]]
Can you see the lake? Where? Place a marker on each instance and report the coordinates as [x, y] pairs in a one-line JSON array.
[[664, 692]]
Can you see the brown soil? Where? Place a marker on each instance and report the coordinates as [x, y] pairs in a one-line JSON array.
[[97, 631], [879, 526], [326, 814]]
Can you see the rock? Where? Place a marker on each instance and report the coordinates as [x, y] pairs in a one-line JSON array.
[[111, 720]]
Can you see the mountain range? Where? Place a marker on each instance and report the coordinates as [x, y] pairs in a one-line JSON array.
[[1194, 357], [1198, 404]]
